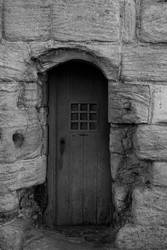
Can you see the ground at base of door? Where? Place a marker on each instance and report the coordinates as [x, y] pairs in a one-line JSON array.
[[70, 238]]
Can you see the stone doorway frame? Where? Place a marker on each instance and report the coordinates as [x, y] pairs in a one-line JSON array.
[[54, 57]]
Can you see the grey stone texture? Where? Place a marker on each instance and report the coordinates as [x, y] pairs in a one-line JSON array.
[[27, 20], [141, 237], [150, 142], [128, 103], [153, 21], [144, 62], [86, 20], [12, 234], [126, 39]]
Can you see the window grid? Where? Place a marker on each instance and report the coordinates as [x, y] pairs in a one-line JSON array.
[[83, 116]]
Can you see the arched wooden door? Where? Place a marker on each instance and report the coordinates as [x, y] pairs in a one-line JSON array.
[[80, 178]]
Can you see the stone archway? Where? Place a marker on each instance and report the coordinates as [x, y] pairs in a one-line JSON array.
[[52, 58]]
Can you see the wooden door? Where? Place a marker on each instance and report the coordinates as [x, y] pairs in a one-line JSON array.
[[79, 174]]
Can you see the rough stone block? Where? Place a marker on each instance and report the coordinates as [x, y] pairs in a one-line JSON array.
[[140, 237], [107, 56], [20, 143], [86, 20], [15, 62], [27, 20], [149, 206], [159, 173], [9, 92], [23, 173], [129, 21], [116, 136], [128, 103], [12, 234], [116, 161], [30, 95], [153, 21], [119, 195], [19, 117], [8, 199], [146, 63], [159, 113], [120, 139], [14, 95], [132, 171], [150, 142]]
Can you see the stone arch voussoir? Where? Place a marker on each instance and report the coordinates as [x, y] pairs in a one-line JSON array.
[[55, 56]]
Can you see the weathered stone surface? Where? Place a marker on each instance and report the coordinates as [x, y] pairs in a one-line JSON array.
[[119, 196], [116, 137], [159, 112], [142, 237], [144, 63], [8, 199], [12, 234], [24, 140], [20, 143], [15, 117], [116, 161], [23, 173], [154, 21], [30, 95], [22, 133], [150, 142], [18, 117], [8, 95], [126, 168], [81, 238], [159, 173], [27, 20], [86, 20], [107, 56], [128, 103], [132, 171], [129, 21], [15, 62], [121, 139], [22, 95], [8, 202], [149, 206]]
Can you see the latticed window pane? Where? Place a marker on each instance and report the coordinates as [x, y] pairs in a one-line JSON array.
[[74, 107], [92, 116], [92, 107], [83, 116], [74, 116], [83, 107], [83, 125], [92, 126], [74, 125]]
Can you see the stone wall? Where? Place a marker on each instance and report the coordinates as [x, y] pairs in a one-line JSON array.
[[127, 40]]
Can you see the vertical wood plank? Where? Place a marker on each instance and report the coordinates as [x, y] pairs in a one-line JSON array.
[[63, 158], [90, 179], [76, 179]]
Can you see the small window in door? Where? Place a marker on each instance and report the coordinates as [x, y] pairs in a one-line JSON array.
[[83, 116]]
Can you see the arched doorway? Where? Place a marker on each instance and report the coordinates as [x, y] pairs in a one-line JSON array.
[[79, 179]]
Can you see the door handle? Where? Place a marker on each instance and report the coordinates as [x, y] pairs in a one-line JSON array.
[[62, 146]]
